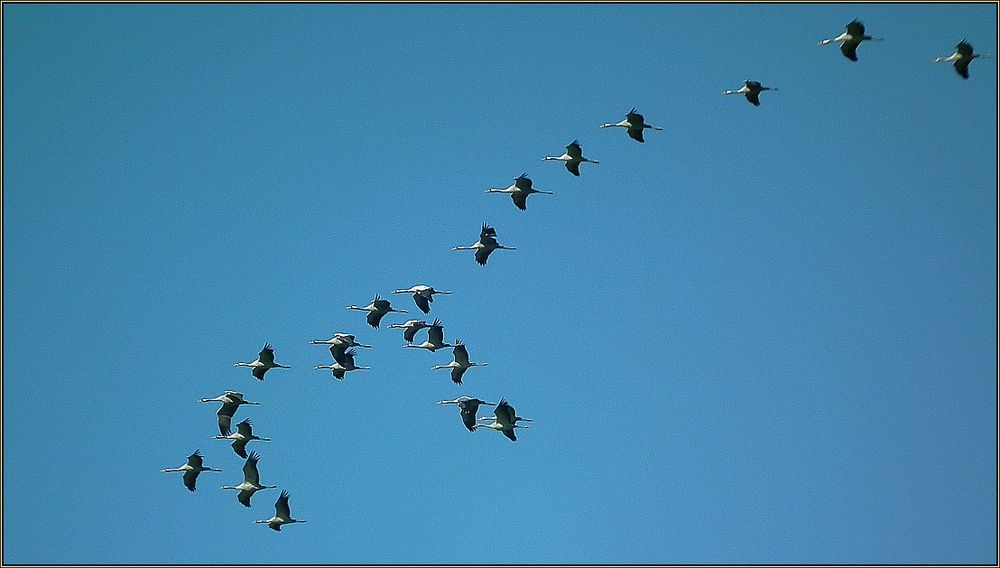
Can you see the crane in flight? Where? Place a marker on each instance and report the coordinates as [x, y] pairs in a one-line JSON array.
[[519, 191], [251, 481], [486, 244], [634, 123], [377, 310], [573, 157], [467, 408], [460, 364], [191, 469], [423, 295], [282, 514], [264, 362]]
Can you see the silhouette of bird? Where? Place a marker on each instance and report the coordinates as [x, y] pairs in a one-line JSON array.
[[243, 435], [572, 157], [851, 39], [487, 244], [752, 90], [265, 361], [251, 481], [634, 123], [191, 469], [467, 407], [376, 310], [519, 191], [231, 400], [460, 364], [423, 295], [282, 514], [962, 57]]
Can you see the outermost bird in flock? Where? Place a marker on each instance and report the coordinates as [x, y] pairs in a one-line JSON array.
[[634, 123], [231, 400], [191, 469], [243, 435], [962, 57], [519, 191], [460, 364], [343, 364], [282, 514], [572, 157], [851, 39], [752, 90], [435, 338], [505, 420], [486, 244], [467, 407], [265, 361], [410, 328], [376, 310], [251, 481], [423, 295]]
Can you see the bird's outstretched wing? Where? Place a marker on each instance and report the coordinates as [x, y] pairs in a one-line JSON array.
[[574, 150], [573, 167], [266, 354], [850, 50], [250, 473], [281, 506], [856, 28], [423, 302], [244, 497], [636, 134], [190, 477]]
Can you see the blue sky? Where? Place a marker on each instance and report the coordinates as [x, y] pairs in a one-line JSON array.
[[765, 335]]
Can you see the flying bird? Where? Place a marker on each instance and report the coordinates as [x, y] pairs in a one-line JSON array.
[[519, 191], [487, 244], [265, 361], [435, 338], [339, 344], [423, 295], [851, 39], [410, 328], [243, 435], [467, 407], [572, 157], [251, 481], [231, 400], [191, 469], [376, 310], [344, 364], [962, 57], [752, 91], [282, 514], [635, 124], [505, 420], [460, 364]]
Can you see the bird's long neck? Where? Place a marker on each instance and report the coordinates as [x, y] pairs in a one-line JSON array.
[[243, 364]]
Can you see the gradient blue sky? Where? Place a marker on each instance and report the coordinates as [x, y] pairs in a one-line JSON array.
[[765, 335]]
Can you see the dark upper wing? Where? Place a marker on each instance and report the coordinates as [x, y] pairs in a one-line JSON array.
[[435, 333], [461, 353], [573, 167], [753, 97], [635, 118], [850, 50], [258, 372], [266, 355], [964, 48], [195, 460], [482, 254], [856, 28], [510, 434], [281, 506], [636, 134], [190, 477], [250, 472], [520, 200], [423, 303], [574, 150], [245, 428], [487, 232], [522, 182]]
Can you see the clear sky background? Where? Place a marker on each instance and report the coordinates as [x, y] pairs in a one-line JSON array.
[[765, 335]]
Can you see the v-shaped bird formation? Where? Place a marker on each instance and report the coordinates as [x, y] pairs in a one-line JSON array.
[[342, 345]]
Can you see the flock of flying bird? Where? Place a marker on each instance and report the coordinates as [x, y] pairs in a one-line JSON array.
[[342, 345]]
